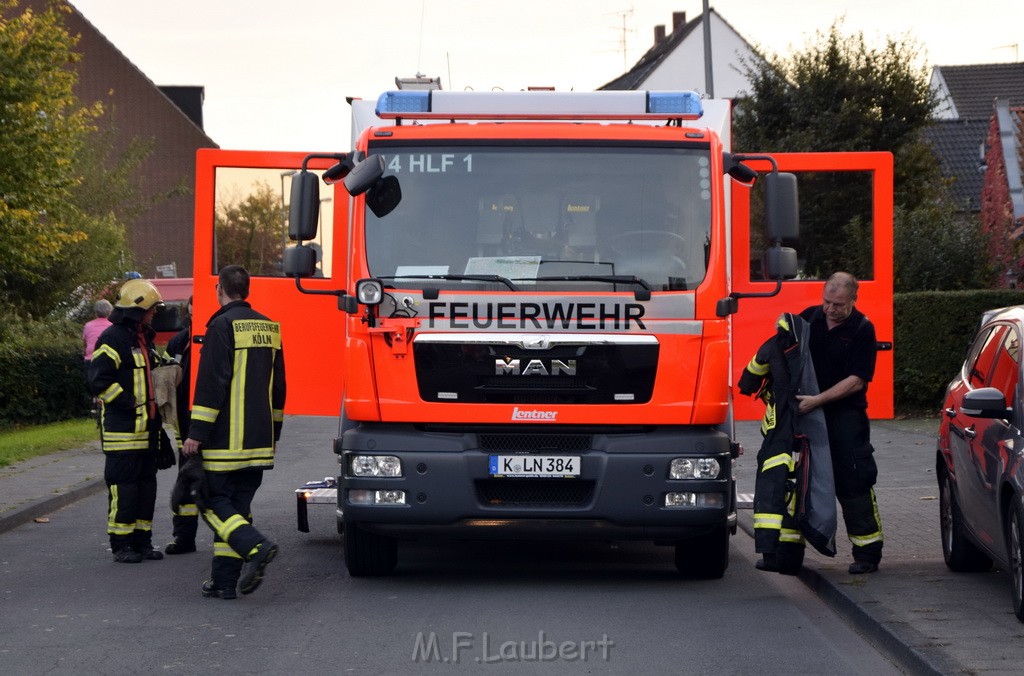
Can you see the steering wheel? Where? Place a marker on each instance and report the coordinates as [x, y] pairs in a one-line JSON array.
[[626, 243]]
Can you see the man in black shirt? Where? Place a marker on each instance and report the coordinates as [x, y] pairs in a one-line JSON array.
[[843, 349]]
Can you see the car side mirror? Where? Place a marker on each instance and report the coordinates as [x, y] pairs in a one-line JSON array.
[[985, 402]]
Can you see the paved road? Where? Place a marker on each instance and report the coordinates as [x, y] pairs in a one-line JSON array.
[[66, 608], [914, 607]]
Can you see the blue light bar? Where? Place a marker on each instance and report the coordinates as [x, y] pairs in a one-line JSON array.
[[684, 104], [539, 105], [403, 102]]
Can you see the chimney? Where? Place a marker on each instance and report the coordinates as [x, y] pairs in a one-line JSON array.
[[659, 34], [678, 20]]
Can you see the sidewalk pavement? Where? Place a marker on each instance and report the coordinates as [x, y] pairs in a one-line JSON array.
[[925, 617], [33, 488]]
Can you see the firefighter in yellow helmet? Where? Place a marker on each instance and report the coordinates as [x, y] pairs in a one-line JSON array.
[[120, 376]]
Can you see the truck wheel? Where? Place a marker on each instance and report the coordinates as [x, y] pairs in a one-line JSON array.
[[705, 556], [368, 554], [961, 555], [1015, 548]]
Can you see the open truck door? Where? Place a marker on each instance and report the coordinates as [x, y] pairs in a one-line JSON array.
[[865, 235], [242, 200]]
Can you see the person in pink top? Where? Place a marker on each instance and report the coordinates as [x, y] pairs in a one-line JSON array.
[[94, 327]]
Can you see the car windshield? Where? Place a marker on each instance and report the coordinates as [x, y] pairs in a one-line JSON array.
[[545, 217]]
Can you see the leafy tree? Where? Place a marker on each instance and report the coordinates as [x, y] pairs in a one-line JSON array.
[[53, 237], [248, 231], [840, 95]]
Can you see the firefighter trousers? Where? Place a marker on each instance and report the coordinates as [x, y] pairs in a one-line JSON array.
[[131, 499], [228, 512], [855, 472], [776, 532]]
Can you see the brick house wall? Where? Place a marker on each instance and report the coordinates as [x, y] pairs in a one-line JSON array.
[[136, 108]]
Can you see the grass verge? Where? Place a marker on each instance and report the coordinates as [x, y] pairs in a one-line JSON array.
[[30, 442]]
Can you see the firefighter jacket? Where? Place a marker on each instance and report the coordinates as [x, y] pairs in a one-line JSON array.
[[238, 405], [120, 376], [794, 491]]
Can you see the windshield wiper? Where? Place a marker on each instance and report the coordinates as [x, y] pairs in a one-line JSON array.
[[608, 279], [460, 278]]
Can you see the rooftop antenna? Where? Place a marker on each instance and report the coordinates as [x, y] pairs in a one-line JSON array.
[[1014, 47], [419, 53], [625, 30], [624, 14]]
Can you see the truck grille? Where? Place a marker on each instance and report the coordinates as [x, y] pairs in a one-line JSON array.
[[534, 493], [583, 372], [517, 441]]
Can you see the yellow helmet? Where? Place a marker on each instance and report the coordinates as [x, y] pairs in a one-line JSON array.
[[138, 293]]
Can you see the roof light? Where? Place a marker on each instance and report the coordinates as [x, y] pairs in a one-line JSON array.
[[684, 104], [402, 103], [539, 105]]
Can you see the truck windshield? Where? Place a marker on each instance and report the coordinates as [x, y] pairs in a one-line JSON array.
[[545, 218]]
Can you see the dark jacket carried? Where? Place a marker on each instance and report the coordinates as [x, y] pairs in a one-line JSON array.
[[794, 478], [119, 378], [179, 349], [238, 406]]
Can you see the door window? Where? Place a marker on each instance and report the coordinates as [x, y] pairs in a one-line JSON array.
[[983, 353], [1006, 370]]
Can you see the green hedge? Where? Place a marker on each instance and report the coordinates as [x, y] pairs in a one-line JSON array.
[[42, 375], [932, 332], [42, 384]]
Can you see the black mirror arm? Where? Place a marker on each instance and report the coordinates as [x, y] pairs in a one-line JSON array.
[[346, 302], [758, 294], [766, 158], [340, 157]]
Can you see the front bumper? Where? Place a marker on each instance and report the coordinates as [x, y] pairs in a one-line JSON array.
[[619, 493]]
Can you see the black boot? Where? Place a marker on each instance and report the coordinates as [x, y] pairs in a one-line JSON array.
[[212, 591], [179, 547], [127, 555]]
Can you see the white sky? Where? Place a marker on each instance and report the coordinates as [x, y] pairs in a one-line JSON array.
[[276, 73]]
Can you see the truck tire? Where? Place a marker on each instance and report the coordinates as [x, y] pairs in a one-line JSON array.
[[961, 555], [704, 556], [368, 554]]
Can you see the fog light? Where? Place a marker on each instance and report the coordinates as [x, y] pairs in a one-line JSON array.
[[376, 465], [698, 500], [389, 497], [680, 499], [694, 468], [358, 496]]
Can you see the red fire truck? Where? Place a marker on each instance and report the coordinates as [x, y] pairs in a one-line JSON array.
[[530, 307]]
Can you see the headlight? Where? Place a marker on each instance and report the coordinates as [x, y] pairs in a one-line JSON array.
[[376, 465], [694, 468]]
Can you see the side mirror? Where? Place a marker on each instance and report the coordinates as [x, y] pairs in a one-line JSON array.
[[299, 261], [985, 402], [738, 170], [781, 208], [780, 262], [304, 211], [364, 175], [339, 171], [384, 196]]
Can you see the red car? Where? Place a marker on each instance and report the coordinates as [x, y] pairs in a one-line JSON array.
[[978, 463]]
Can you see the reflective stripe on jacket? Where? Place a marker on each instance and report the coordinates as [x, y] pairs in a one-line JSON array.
[[117, 377], [238, 406]]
